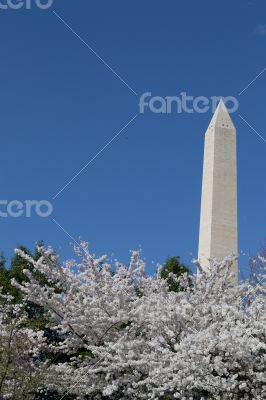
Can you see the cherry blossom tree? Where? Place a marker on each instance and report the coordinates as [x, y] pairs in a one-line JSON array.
[[19, 352], [125, 335]]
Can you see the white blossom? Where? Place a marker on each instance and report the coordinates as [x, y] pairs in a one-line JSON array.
[[19, 352], [128, 337]]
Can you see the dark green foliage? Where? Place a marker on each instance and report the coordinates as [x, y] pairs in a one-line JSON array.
[[18, 264], [15, 271], [4, 276], [174, 266], [47, 395], [35, 313]]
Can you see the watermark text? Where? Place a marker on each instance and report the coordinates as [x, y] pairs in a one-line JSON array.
[[184, 104], [26, 208]]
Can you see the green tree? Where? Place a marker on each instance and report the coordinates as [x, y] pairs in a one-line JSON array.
[[36, 316], [18, 265], [172, 269], [4, 276]]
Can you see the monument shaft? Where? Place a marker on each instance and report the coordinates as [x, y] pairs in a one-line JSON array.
[[218, 220]]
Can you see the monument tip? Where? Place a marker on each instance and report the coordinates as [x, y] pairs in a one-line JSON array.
[[221, 117]]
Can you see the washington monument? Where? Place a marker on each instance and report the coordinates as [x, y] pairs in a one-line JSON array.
[[218, 219]]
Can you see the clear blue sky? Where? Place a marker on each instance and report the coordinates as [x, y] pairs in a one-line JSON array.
[[60, 105]]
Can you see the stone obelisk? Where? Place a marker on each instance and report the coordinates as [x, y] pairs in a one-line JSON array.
[[218, 219]]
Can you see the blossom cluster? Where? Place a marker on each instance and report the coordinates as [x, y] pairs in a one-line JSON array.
[[20, 347], [124, 335]]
